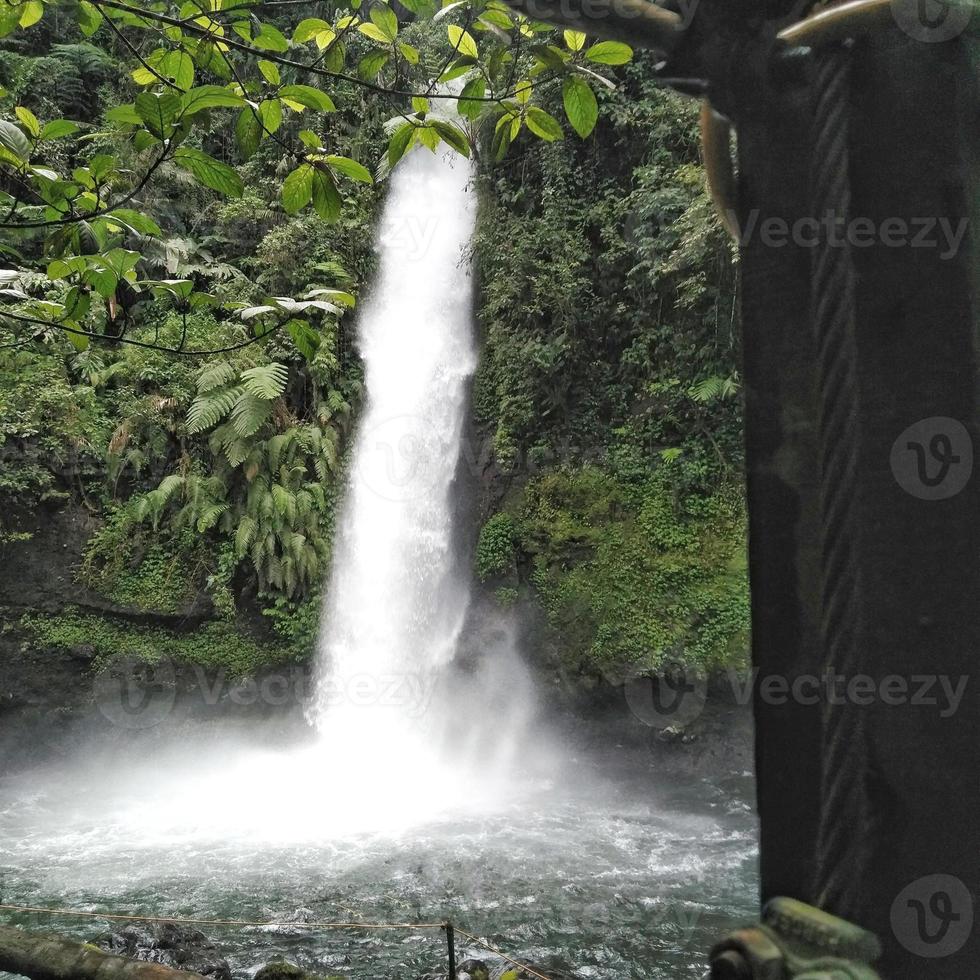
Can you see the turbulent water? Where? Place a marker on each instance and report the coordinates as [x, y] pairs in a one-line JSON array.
[[426, 785]]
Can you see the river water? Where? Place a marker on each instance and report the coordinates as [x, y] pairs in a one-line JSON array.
[[600, 871]]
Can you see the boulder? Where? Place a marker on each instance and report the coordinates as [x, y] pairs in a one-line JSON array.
[[170, 944]]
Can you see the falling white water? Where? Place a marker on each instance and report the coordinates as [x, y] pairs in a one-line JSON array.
[[396, 601]]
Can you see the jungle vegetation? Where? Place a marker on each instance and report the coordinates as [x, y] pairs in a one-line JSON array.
[[187, 198]]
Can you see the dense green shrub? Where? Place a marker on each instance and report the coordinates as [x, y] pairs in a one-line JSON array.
[[633, 576], [495, 548]]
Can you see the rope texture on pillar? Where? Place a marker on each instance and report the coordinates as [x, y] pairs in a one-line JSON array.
[[840, 854]]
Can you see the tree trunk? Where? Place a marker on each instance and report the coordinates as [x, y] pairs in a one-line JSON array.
[[43, 957]]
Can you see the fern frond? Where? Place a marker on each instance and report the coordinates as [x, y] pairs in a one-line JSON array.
[[245, 535], [250, 414], [267, 381], [209, 409], [215, 376]]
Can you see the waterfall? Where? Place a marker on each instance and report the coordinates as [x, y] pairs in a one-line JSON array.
[[396, 602]]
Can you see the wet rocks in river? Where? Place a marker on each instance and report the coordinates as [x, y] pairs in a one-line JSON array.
[[170, 944], [284, 970]]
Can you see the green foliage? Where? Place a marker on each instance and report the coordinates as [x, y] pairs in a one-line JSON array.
[[296, 623], [633, 576], [107, 108], [264, 487], [218, 644], [140, 570], [495, 548]]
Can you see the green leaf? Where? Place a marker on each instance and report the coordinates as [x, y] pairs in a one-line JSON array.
[[28, 120], [372, 63], [498, 19], [374, 32], [575, 40], [306, 339], [270, 114], [270, 72], [420, 104], [543, 124], [209, 97], [248, 133], [609, 53], [399, 143], [89, 18], [210, 172], [503, 135], [462, 41], [31, 13], [326, 198], [178, 66], [462, 66], [385, 20], [470, 103], [308, 29], [307, 95], [158, 112], [452, 135], [580, 105], [58, 129], [297, 189], [126, 114], [267, 381], [79, 341], [103, 281], [350, 168], [268, 37], [9, 16], [12, 138], [409, 53], [139, 222]]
